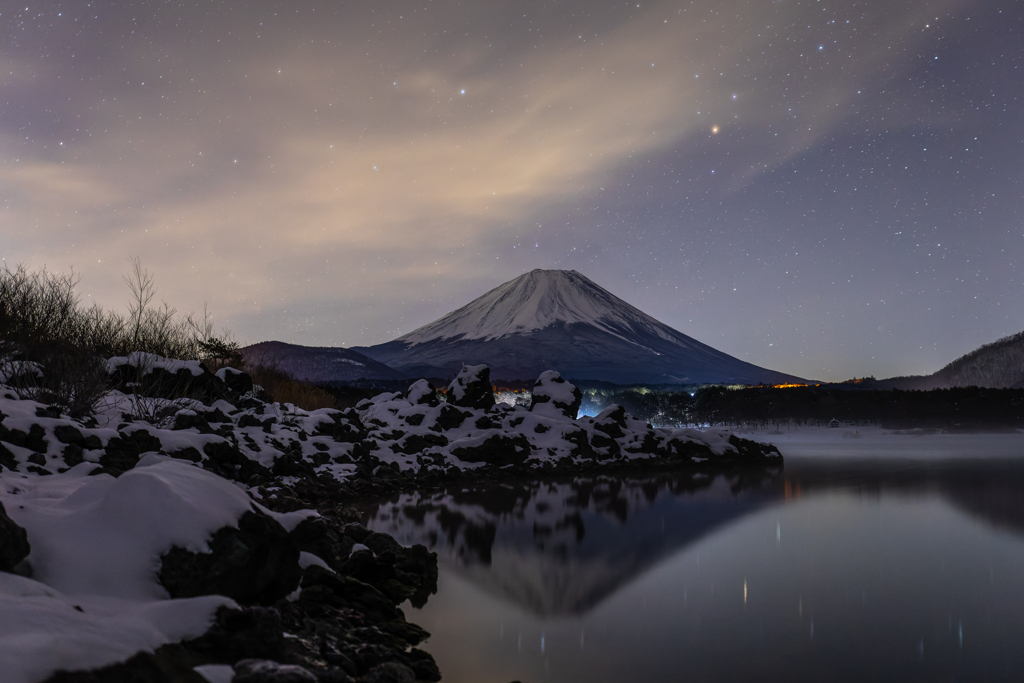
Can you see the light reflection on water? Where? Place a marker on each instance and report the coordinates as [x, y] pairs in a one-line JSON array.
[[845, 571]]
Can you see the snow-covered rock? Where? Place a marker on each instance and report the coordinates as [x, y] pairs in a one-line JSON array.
[[423, 392], [408, 434], [236, 380], [147, 363], [555, 398], [132, 532], [471, 388], [94, 598]]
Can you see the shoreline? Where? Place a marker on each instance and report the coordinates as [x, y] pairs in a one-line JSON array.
[[275, 541]]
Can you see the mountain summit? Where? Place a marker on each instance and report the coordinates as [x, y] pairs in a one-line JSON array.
[[535, 301], [561, 320]]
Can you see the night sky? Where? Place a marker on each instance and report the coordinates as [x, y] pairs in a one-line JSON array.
[[829, 189]]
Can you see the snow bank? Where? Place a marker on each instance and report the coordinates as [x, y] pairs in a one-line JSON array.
[[43, 631], [101, 536], [94, 598]]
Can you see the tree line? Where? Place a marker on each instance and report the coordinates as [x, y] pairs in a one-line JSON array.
[[762, 407]]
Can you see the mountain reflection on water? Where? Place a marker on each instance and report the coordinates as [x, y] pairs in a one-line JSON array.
[[832, 569], [561, 547]]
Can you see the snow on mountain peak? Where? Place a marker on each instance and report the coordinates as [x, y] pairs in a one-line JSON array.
[[534, 301]]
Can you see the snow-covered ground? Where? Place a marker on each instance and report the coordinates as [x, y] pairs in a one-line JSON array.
[[93, 597]]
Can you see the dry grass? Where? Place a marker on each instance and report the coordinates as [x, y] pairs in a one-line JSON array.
[[284, 389]]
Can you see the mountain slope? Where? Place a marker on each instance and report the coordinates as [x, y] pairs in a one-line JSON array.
[[318, 364], [999, 365], [560, 320]]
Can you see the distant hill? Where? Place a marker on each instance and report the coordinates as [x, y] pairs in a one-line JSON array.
[[318, 364], [999, 365], [561, 320]]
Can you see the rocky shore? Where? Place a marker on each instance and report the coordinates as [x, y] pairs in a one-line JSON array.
[[217, 527]]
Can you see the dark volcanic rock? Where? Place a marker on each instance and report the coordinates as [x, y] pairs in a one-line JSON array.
[[417, 443], [245, 633], [69, 434], [319, 536], [73, 454], [228, 461], [685, 449], [7, 459], [611, 421], [34, 440], [145, 375], [324, 587], [497, 449], [581, 443], [342, 428], [123, 451], [752, 451], [471, 388], [449, 417], [387, 571], [249, 421], [14, 546], [256, 563], [236, 380], [192, 420], [267, 671], [390, 672]]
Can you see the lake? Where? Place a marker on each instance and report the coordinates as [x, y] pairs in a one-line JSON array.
[[870, 556]]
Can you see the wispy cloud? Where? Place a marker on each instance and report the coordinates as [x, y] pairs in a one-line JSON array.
[[317, 170]]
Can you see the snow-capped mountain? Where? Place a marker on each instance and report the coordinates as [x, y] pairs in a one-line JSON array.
[[561, 320], [318, 364]]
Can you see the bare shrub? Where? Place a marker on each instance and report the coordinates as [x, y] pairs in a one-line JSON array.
[[42, 321], [158, 329], [72, 380]]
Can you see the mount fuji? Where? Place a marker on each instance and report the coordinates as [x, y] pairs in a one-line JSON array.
[[561, 320]]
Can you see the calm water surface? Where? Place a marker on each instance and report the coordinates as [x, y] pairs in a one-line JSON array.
[[829, 570]]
